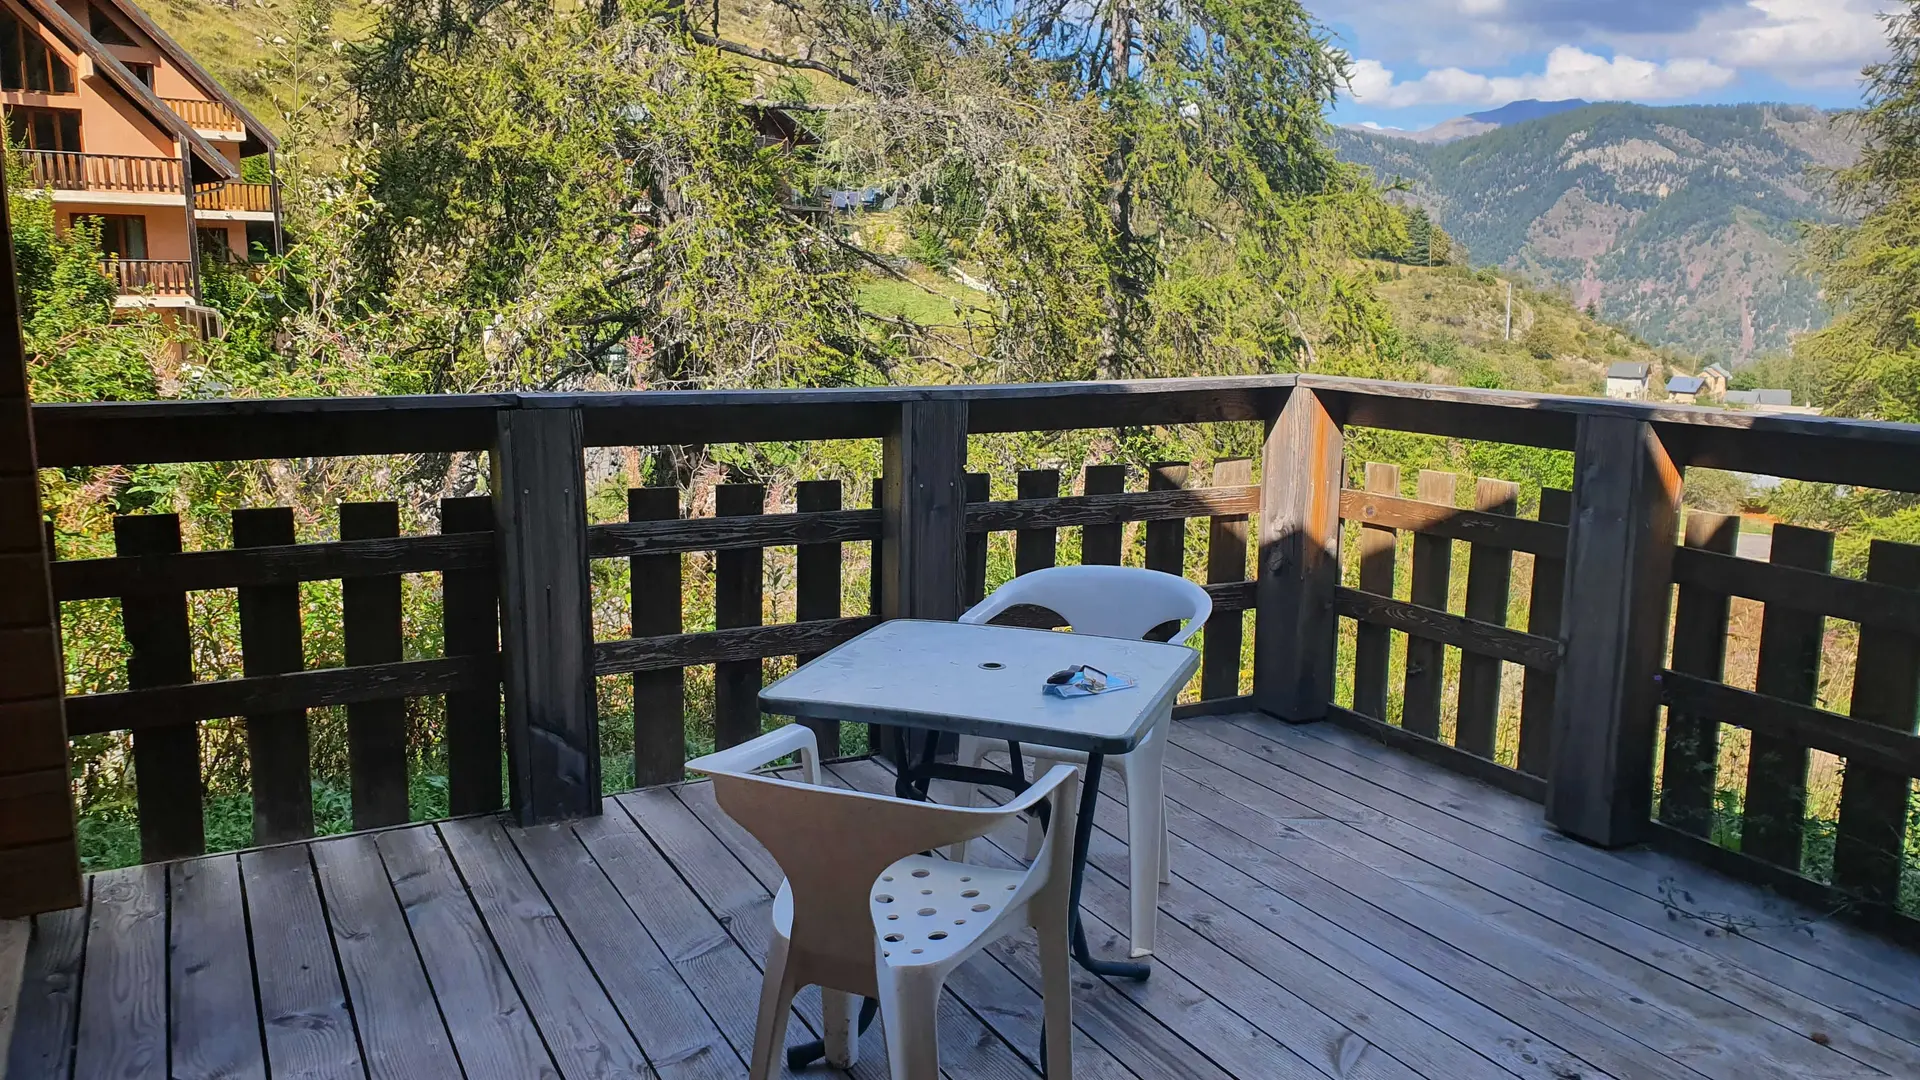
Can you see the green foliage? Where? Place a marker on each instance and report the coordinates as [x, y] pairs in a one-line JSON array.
[[1871, 353]]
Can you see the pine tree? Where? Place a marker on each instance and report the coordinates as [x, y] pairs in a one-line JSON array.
[[1871, 271], [1420, 232]]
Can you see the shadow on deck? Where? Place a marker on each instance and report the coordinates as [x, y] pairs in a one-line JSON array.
[[1338, 910]]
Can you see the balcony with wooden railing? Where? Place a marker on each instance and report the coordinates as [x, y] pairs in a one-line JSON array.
[[1418, 826], [205, 115], [64, 170], [234, 195], [156, 277]]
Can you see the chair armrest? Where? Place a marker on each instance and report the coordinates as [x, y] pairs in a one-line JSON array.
[[758, 753], [984, 611]]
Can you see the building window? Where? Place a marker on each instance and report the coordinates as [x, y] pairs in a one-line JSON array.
[[122, 236], [43, 129], [143, 72], [25, 61], [106, 31]]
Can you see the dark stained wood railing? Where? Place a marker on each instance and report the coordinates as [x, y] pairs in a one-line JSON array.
[[65, 170], [1602, 560]]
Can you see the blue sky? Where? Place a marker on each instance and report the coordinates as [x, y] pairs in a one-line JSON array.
[[1418, 62]]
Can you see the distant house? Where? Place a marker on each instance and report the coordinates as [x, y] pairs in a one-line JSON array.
[[1768, 401], [1715, 377], [1627, 381], [1685, 389]]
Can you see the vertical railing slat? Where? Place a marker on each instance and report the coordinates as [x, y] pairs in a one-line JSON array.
[[1774, 816], [1691, 762], [1432, 577], [1875, 804], [817, 585], [1543, 619], [1379, 550], [166, 760], [978, 489], [1166, 540], [470, 626], [655, 598], [1226, 562], [1100, 544], [738, 594], [278, 751], [376, 730], [1489, 586], [1036, 549]]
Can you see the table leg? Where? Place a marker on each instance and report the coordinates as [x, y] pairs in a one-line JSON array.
[[1082, 839]]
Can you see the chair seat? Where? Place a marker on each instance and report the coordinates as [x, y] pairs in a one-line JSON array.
[[926, 909]]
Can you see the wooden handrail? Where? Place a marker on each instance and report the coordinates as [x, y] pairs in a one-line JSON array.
[[1591, 682]]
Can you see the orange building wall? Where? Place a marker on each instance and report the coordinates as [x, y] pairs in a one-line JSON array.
[[166, 225]]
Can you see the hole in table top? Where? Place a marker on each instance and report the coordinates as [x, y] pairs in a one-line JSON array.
[[895, 937], [937, 935], [971, 893], [921, 873], [917, 952], [992, 665], [981, 907], [927, 911], [883, 899]]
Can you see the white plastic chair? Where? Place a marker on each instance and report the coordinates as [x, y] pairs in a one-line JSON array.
[[1119, 602], [863, 914]]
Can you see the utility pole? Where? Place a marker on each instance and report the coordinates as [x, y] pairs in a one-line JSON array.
[[1509, 311]]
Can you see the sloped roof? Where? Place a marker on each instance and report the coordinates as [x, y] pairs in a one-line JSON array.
[[1627, 370], [256, 131], [76, 36], [1685, 384], [1723, 372]]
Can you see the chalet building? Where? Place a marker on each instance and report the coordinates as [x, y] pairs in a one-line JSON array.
[[1685, 389], [120, 125], [1627, 381], [1714, 377]]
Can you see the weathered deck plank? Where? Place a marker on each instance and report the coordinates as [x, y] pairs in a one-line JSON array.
[[1339, 911]]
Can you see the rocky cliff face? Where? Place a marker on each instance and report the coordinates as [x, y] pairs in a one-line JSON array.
[[1681, 223]]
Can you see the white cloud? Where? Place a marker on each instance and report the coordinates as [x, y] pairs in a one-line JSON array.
[[1825, 41], [1570, 72]]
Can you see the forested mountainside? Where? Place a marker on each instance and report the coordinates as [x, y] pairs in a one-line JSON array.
[[1680, 223]]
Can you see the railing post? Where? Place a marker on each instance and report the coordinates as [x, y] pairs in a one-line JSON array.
[[1626, 513], [553, 722], [1294, 624], [923, 508]]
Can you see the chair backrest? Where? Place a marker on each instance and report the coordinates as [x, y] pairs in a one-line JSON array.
[[1105, 601], [833, 844]]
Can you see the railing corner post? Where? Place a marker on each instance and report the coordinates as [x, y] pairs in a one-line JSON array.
[[1299, 567], [1619, 573], [552, 716]]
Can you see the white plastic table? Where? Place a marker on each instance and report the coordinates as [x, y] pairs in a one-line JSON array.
[[988, 681]]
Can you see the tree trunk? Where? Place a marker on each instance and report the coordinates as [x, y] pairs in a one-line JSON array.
[[1116, 330]]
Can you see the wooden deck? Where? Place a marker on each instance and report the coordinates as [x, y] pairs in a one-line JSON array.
[[1339, 910]]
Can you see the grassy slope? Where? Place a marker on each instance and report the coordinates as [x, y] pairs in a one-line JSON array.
[[1456, 317]]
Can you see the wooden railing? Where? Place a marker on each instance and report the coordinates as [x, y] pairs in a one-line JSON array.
[[234, 195], [65, 170], [205, 115], [1601, 563], [162, 277]]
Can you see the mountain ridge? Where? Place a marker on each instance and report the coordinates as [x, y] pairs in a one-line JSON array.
[[1680, 222]]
